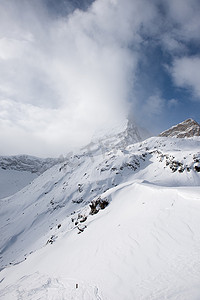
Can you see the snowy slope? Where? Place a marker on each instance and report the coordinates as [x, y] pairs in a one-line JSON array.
[[121, 223], [147, 248]]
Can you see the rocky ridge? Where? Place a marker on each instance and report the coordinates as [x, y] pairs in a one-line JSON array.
[[185, 129]]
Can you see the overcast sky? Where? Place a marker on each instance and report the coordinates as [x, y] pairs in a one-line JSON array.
[[71, 68]]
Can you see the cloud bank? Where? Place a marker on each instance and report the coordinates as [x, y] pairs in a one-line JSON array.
[[186, 73], [64, 76]]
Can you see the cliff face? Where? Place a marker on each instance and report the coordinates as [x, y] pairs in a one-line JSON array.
[[186, 129]]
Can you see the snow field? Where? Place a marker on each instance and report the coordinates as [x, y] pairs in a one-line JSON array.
[[144, 245]]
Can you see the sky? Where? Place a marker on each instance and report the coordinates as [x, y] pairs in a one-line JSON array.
[[72, 69]]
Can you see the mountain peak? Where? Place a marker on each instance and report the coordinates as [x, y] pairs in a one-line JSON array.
[[132, 134], [121, 136], [187, 128]]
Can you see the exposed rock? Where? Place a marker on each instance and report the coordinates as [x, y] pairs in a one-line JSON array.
[[97, 205], [186, 129], [51, 240], [197, 168]]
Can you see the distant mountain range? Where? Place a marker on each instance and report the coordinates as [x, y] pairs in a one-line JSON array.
[[27, 163], [19, 170]]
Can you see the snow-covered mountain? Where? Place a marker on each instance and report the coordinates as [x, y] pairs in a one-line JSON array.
[[19, 170], [120, 222], [119, 137], [187, 128], [27, 163]]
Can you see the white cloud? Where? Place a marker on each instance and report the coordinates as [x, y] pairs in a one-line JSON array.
[[172, 44], [184, 16], [63, 78], [154, 105], [186, 74], [172, 103]]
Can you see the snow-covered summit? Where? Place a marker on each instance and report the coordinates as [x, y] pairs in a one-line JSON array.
[[187, 128], [119, 137], [131, 135]]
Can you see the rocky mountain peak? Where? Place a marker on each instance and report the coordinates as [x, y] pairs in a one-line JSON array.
[[185, 129]]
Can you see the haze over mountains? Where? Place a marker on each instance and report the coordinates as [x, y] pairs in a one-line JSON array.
[[117, 220], [17, 171]]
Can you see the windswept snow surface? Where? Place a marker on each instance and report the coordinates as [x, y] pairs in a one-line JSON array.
[[144, 245]]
